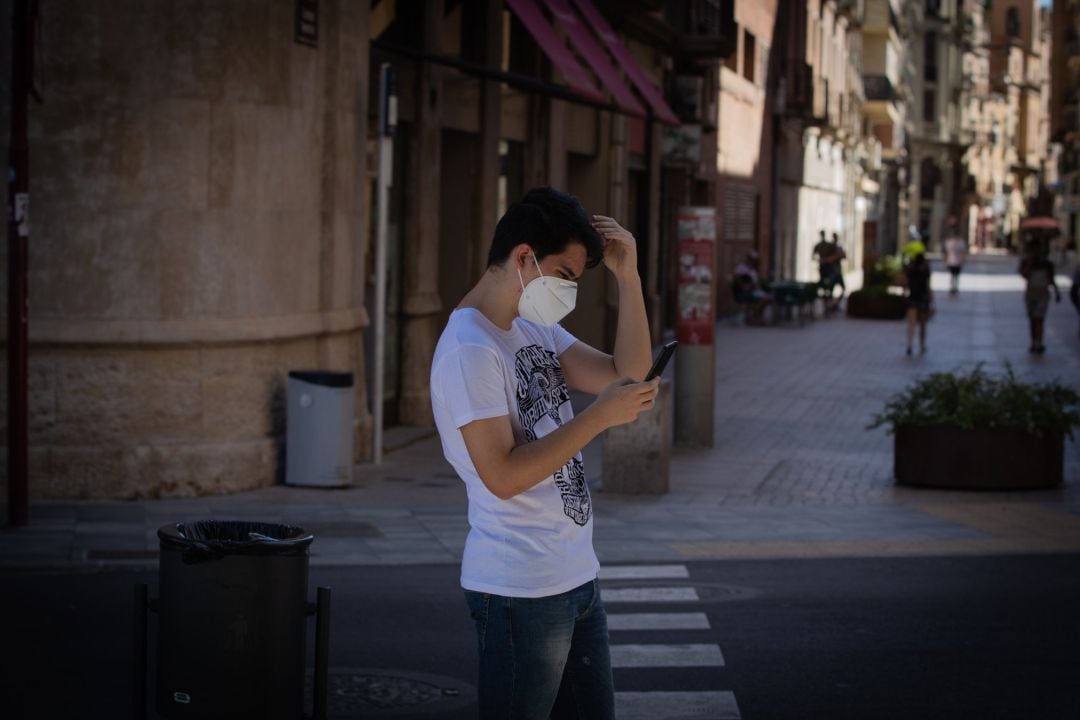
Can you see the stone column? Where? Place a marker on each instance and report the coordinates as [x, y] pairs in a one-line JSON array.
[[421, 304], [487, 176]]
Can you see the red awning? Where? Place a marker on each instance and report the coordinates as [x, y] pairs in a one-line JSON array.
[[629, 65], [553, 46], [582, 39]]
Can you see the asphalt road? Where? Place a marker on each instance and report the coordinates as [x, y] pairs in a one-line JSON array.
[[972, 637]]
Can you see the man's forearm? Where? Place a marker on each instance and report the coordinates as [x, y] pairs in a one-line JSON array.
[[633, 346], [532, 463]]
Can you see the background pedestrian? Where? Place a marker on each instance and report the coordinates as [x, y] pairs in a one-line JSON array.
[[1039, 273], [920, 299]]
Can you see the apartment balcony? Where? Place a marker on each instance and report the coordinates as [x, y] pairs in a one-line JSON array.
[[879, 88]]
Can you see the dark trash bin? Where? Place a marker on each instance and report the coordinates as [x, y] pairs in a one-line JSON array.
[[231, 620]]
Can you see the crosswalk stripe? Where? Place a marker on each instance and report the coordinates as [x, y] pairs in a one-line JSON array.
[[643, 572], [657, 621], [676, 706], [650, 594], [684, 655]]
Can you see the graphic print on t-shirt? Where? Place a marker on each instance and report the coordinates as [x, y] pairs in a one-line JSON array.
[[570, 480], [541, 391]]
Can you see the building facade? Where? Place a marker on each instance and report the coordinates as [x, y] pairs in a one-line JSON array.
[[199, 230], [936, 141], [886, 29], [1019, 77], [1065, 115], [824, 158]]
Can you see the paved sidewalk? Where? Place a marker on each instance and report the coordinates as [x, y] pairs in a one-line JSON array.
[[794, 472]]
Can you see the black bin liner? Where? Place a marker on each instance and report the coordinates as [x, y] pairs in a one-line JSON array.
[[231, 620], [214, 539]]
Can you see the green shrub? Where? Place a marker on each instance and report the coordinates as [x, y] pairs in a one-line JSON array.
[[978, 400], [884, 272]]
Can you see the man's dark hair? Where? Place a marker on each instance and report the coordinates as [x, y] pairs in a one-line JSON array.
[[547, 220]]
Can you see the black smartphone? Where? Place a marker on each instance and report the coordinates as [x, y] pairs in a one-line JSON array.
[[662, 360]]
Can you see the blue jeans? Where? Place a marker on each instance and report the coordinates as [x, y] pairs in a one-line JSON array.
[[544, 657]]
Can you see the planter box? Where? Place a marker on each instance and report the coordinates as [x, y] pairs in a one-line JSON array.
[[875, 306], [941, 456]]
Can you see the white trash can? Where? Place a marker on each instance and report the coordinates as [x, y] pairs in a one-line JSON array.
[[319, 428]]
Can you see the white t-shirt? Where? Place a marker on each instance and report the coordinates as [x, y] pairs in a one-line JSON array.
[[955, 251], [539, 542]]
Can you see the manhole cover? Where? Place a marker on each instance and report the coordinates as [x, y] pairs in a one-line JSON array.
[[379, 693]]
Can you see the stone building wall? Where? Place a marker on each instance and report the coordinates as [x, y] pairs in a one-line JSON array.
[[199, 227]]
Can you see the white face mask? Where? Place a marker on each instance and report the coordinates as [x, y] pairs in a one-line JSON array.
[[546, 300]]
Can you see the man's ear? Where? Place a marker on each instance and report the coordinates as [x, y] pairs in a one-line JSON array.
[[521, 255]]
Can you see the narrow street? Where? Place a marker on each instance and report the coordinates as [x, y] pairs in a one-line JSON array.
[[784, 576]]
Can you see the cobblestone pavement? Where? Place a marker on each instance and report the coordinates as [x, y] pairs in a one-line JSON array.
[[794, 472]]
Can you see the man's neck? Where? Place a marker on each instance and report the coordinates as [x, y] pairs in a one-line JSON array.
[[494, 299]]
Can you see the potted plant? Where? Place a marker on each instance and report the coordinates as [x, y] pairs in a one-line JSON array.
[[977, 431], [876, 300]]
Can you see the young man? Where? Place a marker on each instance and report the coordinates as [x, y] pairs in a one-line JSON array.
[[499, 390]]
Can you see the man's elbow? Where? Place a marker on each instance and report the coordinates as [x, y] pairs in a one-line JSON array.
[[498, 485]]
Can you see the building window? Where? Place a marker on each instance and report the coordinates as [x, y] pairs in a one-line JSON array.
[[731, 62], [1012, 22], [933, 7], [929, 178], [749, 62], [740, 213], [929, 107], [930, 57]]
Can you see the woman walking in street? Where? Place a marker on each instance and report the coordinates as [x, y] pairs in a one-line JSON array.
[[1039, 273], [920, 299]]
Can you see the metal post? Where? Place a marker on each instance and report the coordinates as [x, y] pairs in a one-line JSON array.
[[322, 652], [138, 694], [18, 231], [387, 123]]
